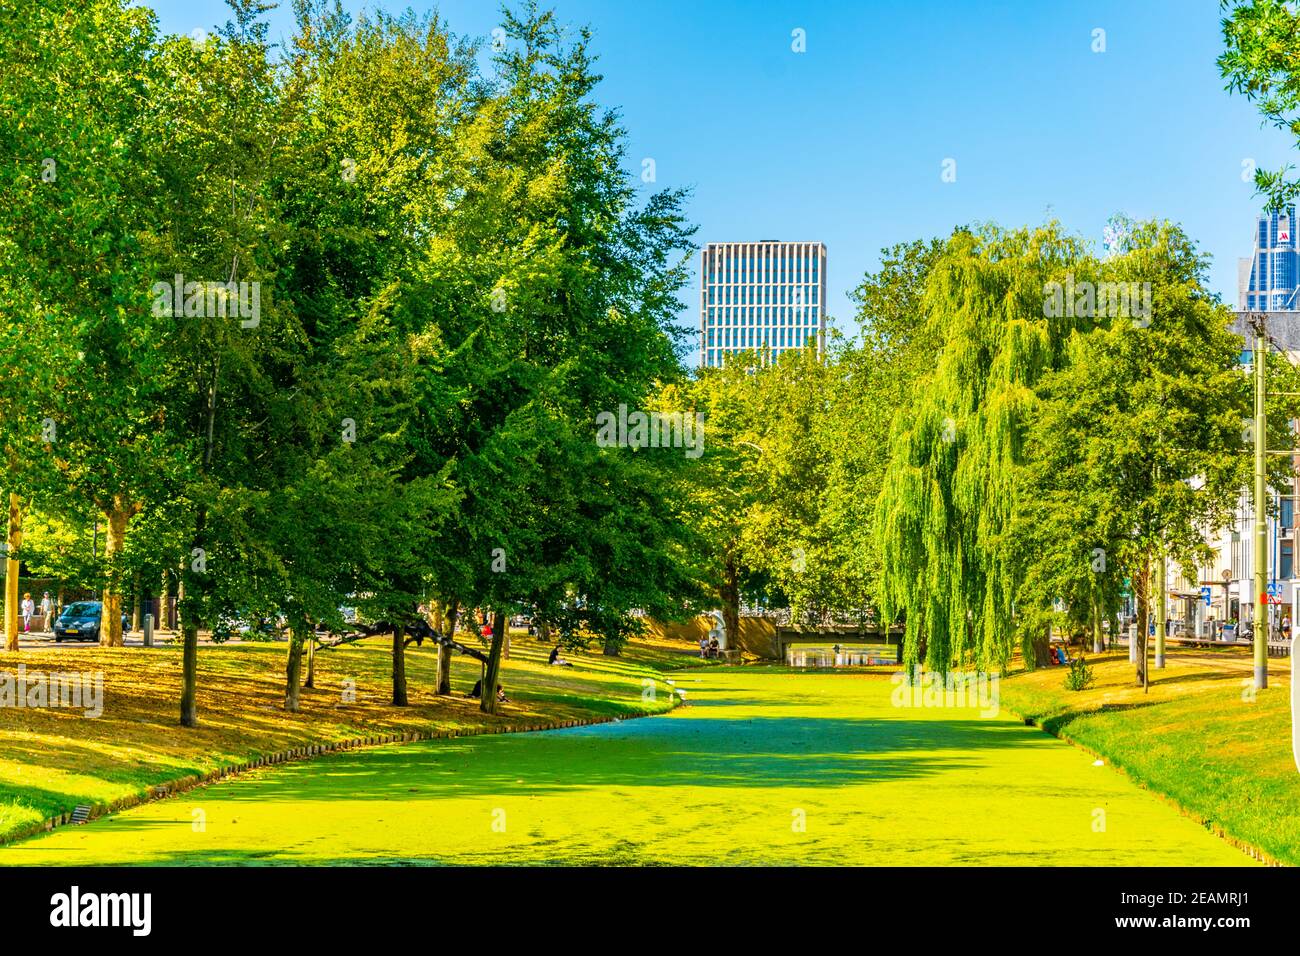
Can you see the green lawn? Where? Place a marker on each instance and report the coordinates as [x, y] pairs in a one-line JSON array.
[[762, 767], [1198, 736], [52, 760]]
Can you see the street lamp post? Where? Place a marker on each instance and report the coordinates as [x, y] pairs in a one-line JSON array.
[[1261, 541], [1260, 569]]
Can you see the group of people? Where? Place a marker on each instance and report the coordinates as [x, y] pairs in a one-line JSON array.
[[709, 647], [485, 632], [1057, 654], [28, 610], [555, 660]]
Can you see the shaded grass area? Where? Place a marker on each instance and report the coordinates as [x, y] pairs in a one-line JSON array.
[[760, 767], [51, 760], [1200, 736]]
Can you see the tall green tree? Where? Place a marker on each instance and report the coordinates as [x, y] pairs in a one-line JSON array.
[[1261, 61], [874, 375], [1135, 447], [89, 201], [949, 492], [552, 296]]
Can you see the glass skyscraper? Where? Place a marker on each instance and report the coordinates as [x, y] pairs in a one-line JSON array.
[[1270, 280], [756, 294]]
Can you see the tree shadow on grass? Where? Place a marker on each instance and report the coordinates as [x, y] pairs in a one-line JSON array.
[[1059, 722], [1233, 677]]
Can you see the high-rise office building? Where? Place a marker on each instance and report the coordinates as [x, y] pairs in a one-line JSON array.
[[756, 294], [1270, 280]]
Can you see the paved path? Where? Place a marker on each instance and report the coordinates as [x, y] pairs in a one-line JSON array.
[[763, 767]]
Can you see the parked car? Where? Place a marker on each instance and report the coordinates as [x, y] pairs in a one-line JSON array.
[[80, 621], [241, 626]]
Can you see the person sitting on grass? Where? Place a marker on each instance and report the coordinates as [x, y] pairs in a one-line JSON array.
[[556, 660]]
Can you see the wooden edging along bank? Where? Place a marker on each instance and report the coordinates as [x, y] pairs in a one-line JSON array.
[[162, 791]]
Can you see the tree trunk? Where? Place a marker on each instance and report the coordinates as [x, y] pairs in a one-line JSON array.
[[1142, 593], [311, 663], [15, 541], [110, 621], [1096, 625], [1041, 643], [135, 603], [180, 596], [444, 653], [730, 594], [544, 633], [399, 666], [610, 649], [488, 701], [293, 670], [163, 600], [189, 676]]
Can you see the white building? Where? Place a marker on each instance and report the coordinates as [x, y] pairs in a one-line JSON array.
[[1229, 575]]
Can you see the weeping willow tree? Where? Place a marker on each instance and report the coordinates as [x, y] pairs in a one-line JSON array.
[[949, 496]]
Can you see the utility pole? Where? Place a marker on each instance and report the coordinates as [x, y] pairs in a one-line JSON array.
[[1260, 569]]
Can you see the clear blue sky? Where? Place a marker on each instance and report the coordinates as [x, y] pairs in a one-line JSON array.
[[845, 143]]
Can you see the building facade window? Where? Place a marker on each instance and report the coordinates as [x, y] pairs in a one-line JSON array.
[[768, 292]]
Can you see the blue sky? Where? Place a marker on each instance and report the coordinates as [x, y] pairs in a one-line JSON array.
[[845, 143]]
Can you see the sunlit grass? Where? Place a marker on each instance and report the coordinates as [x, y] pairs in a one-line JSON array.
[[1200, 736]]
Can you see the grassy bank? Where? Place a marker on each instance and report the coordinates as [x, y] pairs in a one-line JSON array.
[[51, 760], [1200, 736]]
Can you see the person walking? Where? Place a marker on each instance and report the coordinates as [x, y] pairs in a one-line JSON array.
[[28, 608], [47, 611]]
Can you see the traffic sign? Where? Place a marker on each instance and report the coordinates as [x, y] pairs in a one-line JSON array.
[[1205, 596], [1274, 589]]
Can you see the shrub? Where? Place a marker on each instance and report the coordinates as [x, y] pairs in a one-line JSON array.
[[1080, 675]]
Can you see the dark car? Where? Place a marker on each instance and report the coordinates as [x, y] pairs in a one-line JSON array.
[[80, 622]]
